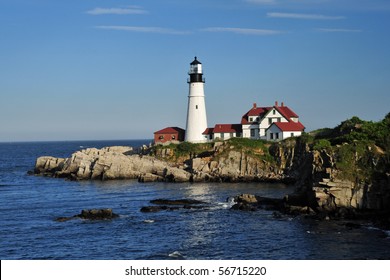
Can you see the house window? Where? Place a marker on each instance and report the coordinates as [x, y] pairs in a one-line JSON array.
[[271, 136], [222, 135], [253, 132], [270, 121], [292, 134], [161, 137], [196, 106], [274, 112], [279, 119], [277, 135], [231, 135], [173, 137], [251, 119]]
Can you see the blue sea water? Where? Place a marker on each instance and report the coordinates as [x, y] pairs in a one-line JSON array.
[[29, 206]]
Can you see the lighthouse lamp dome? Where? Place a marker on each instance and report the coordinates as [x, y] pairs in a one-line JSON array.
[[195, 67]]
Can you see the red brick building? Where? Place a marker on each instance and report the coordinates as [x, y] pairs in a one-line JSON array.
[[169, 134]]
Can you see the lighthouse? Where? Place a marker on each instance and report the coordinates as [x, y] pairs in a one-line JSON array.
[[196, 111]]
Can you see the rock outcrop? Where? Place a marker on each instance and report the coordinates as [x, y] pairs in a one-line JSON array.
[[92, 214], [171, 205], [107, 164], [326, 184]]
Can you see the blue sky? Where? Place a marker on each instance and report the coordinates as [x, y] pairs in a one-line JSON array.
[[109, 69]]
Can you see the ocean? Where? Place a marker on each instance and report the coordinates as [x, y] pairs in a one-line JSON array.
[[29, 206]]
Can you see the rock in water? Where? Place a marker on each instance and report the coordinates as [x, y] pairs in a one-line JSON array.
[[92, 214], [176, 202], [97, 214]]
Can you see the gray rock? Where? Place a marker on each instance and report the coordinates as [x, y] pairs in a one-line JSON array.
[[108, 164]]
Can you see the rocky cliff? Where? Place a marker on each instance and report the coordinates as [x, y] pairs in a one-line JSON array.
[[330, 179], [321, 181]]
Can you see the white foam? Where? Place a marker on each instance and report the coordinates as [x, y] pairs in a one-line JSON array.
[[176, 255]]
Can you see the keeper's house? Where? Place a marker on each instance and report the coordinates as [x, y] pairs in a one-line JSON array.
[[268, 123]]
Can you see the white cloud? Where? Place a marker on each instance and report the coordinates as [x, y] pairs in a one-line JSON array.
[[245, 31], [338, 30], [129, 10], [290, 3], [143, 29], [304, 16]]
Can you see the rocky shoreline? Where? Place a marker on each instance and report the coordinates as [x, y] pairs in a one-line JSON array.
[[110, 163], [321, 188], [119, 162]]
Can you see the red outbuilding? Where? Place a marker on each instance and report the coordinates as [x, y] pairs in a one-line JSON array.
[[169, 134]]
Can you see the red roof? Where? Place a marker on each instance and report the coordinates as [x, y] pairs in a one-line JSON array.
[[223, 128], [208, 131], [227, 128], [170, 130], [258, 111], [286, 112], [289, 126], [261, 111], [255, 111]]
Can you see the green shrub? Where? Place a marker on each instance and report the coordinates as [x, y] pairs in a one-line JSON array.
[[322, 144], [241, 143]]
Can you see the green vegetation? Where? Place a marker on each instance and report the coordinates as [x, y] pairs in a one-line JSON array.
[[245, 143], [322, 144], [186, 149], [361, 148], [356, 129], [254, 148]]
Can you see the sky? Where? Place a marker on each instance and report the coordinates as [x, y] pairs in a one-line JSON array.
[[118, 69]]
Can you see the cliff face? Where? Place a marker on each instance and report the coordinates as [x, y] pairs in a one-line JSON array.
[[224, 162], [331, 178], [352, 176]]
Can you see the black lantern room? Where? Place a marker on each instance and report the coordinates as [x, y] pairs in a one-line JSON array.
[[196, 72]]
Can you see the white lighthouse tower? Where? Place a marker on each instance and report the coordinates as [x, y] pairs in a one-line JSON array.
[[196, 112]]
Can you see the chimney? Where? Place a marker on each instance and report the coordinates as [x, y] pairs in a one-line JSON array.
[[276, 103], [254, 105], [282, 104]]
